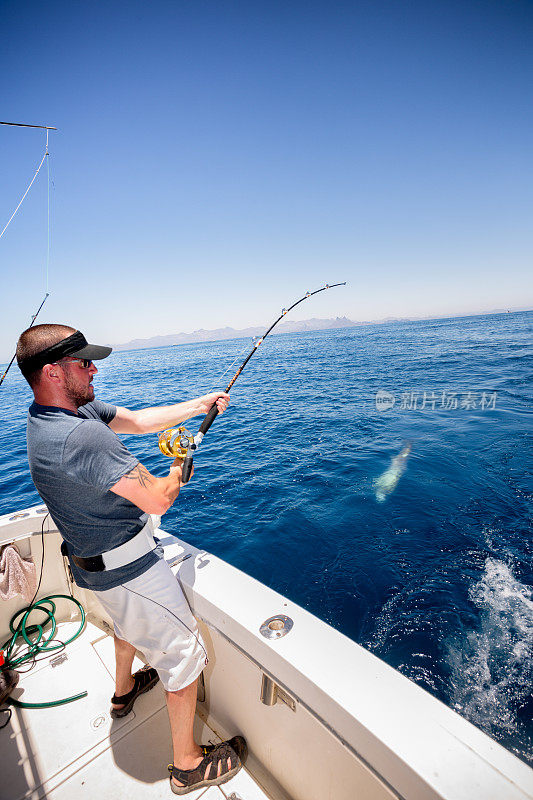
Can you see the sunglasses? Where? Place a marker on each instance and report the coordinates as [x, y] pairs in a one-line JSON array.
[[84, 362]]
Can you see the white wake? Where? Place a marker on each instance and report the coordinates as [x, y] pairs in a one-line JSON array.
[[492, 667]]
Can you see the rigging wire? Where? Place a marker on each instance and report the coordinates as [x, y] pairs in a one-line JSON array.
[[46, 157], [27, 190]]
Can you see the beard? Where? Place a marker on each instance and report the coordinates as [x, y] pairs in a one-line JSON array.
[[79, 395]]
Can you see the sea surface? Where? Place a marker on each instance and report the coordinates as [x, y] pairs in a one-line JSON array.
[[425, 560]]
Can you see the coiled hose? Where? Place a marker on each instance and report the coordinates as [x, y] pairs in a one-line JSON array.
[[43, 643]]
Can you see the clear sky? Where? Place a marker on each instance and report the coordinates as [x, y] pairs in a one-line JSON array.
[[215, 160]]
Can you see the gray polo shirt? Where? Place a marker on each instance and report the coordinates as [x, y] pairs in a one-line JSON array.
[[74, 460]]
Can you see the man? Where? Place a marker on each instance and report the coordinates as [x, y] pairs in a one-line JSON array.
[[100, 497]]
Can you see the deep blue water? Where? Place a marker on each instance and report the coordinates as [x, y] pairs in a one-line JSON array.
[[436, 579]]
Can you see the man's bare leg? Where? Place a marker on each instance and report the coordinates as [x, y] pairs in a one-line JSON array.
[[181, 706], [124, 654]]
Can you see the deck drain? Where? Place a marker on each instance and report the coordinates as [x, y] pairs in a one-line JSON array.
[[98, 721]]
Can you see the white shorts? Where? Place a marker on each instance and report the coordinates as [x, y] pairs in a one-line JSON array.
[[151, 613]]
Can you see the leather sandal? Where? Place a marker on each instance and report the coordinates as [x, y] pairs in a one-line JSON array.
[[144, 679], [215, 761]]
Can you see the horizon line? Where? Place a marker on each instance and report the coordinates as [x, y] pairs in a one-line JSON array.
[[356, 323]]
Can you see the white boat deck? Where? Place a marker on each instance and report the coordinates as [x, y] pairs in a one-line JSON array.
[[78, 750]]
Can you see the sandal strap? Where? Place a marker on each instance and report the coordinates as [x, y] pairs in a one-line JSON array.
[[141, 679], [218, 754]]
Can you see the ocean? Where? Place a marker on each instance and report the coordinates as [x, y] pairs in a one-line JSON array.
[[424, 559]]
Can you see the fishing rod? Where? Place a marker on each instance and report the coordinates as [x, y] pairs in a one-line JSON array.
[[178, 442], [33, 318]]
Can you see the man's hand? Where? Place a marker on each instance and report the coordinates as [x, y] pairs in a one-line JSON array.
[[176, 469], [206, 401]]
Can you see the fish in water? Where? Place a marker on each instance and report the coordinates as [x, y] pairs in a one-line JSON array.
[[387, 482]]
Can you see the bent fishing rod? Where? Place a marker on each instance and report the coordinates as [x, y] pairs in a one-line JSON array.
[[178, 442]]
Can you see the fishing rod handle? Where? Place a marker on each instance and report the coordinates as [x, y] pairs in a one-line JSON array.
[[208, 419], [186, 469]]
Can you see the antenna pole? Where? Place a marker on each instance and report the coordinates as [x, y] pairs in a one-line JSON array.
[[24, 125]]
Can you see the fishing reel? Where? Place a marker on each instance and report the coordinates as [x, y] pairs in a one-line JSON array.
[[176, 442]]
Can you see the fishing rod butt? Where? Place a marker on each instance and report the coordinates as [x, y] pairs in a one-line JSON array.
[[186, 469], [208, 419]]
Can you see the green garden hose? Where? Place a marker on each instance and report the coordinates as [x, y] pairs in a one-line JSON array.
[[40, 644]]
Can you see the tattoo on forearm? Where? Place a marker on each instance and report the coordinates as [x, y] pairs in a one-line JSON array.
[[140, 474]]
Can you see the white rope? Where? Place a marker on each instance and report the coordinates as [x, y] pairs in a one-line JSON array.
[[47, 155], [47, 295], [25, 193]]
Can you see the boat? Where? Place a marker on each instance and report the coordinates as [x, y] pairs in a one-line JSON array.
[[323, 717]]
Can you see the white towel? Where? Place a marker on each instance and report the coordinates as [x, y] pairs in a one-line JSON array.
[[17, 576]]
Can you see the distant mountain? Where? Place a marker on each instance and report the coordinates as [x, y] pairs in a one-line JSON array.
[[218, 334], [203, 335]]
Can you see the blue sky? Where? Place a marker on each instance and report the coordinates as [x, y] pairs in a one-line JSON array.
[[216, 160]]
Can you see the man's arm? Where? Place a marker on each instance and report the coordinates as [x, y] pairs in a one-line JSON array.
[[157, 418], [150, 494]]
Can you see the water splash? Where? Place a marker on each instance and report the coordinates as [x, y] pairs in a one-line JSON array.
[[492, 668]]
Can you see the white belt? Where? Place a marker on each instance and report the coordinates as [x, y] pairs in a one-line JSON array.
[[139, 545]]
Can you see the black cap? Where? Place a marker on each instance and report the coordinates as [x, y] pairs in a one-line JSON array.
[[75, 345]]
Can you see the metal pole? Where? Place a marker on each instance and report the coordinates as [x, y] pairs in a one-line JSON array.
[[24, 125]]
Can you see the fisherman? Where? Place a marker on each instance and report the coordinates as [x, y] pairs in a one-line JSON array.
[[101, 497]]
